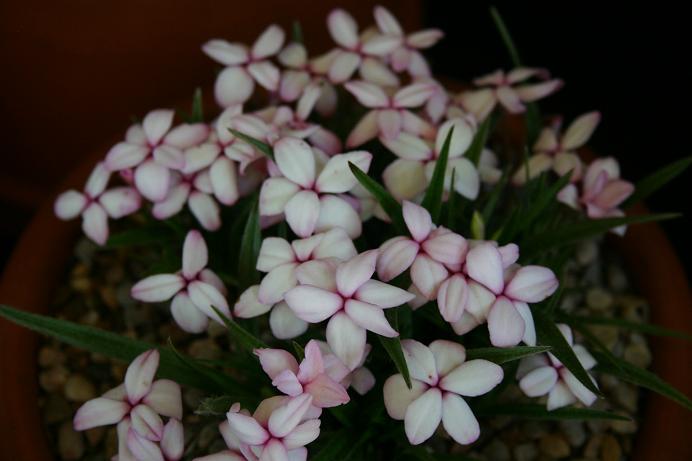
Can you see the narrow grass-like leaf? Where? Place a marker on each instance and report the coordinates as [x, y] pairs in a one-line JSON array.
[[503, 355], [656, 180], [536, 411], [261, 146], [239, 334], [473, 153], [550, 335], [249, 247], [119, 347], [300, 350], [215, 406], [642, 378], [493, 197], [453, 208], [646, 328], [335, 447], [393, 348], [477, 226], [197, 114], [297, 32], [506, 37], [383, 197], [143, 236], [432, 200]]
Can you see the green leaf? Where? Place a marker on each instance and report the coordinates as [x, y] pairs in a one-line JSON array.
[[335, 447], [453, 208], [642, 378], [249, 248], [432, 201], [261, 146], [575, 232], [550, 335], [646, 328], [197, 114], [477, 226], [215, 406], [388, 203], [473, 153], [118, 347], [297, 32], [239, 334], [300, 350], [393, 348], [536, 411], [656, 180], [501, 355], [143, 236], [506, 37]]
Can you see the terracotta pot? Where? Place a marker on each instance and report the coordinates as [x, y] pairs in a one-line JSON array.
[[39, 260]]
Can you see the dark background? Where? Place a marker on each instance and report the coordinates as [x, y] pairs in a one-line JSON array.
[[75, 71]]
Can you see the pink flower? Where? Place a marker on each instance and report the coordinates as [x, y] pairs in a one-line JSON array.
[[137, 406], [278, 430], [552, 151], [194, 288], [196, 191], [407, 56], [351, 301], [544, 374], [502, 88], [305, 192], [140, 448], [389, 115], [408, 176], [363, 53], [310, 377], [153, 149], [360, 379], [236, 83], [440, 376], [96, 204]]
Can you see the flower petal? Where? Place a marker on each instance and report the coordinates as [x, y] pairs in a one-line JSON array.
[[164, 398], [95, 223], [405, 179], [285, 418], [142, 448], [353, 273], [276, 283], [302, 212], [342, 67], [423, 416], [100, 411], [120, 201], [205, 209], [140, 375], [397, 395], [532, 284], [336, 176], [580, 130], [458, 419], [539, 381], [247, 429], [187, 315], [420, 361], [69, 204], [484, 265], [368, 94], [560, 396], [448, 355], [266, 74], [427, 275], [446, 247], [284, 324], [195, 255], [269, 43], [274, 361], [414, 95], [204, 296], [157, 288], [396, 255], [172, 443], [389, 123], [452, 298], [303, 434], [229, 54], [156, 124], [382, 295], [234, 85], [343, 28], [274, 195], [147, 423], [152, 180], [370, 317], [364, 131], [313, 304], [505, 324], [125, 155], [473, 378], [529, 337], [346, 339]]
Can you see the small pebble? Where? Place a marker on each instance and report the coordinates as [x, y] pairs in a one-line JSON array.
[[617, 279], [49, 356], [79, 389], [598, 299], [95, 435], [624, 427], [497, 450], [610, 449], [534, 429], [587, 253], [70, 442], [110, 446], [525, 452], [627, 396], [574, 432], [555, 446], [54, 378], [593, 446], [56, 409], [204, 349], [638, 354]]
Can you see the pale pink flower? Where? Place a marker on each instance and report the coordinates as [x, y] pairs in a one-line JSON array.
[[305, 193], [96, 204], [282, 121], [351, 301], [170, 448], [602, 191], [408, 176], [407, 56], [430, 252], [196, 191], [362, 52], [309, 377], [440, 377], [245, 66], [360, 379], [279, 429], [153, 149], [558, 152], [194, 289], [389, 115], [505, 89], [544, 374], [137, 406]]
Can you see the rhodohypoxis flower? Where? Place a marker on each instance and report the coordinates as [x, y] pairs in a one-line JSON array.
[[429, 252], [152, 148], [137, 406], [196, 190], [544, 374], [244, 66], [389, 115], [309, 377], [363, 53], [602, 191], [351, 301], [170, 448], [278, 430], [96, 204], [407, 56], [552, 151], [408, 176], [505, 89], [194, 289], [360, 378], [440, 377], [305, 193]]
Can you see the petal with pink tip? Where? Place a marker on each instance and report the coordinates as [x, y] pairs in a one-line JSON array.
[[530, 93], [165, 398], [249, 306], [288, 383], [205, 209], [473, 378], [370, 317], [195, 255], [274, 450], [446, 247], [326, 392], [427, 275], [302, 212], [581, 392], [274, 195], [142, 448], [368, 94], [484, 265], [362, 380], [247, 429], [156, 124], [186, 135], [204, 296], [69, 204], [417, 220], [318, 273], [313, 304], [295, 159], [510, 99], [461, 139], [343, 28], [398, 397], [389, 123], [335, 243], [448, 355], [580, 130], [380, 45], [613, 194], [423, 416], [539, 381], [100, 411], [140, 375], [529, 337], [452, 298], [173, 203], [265, 74], [532, 284], [405, 179], [234, 85], [346, 339], [408, 146], [275, 361], [187, 315], [95, 223], [172, 443], [125, 155], [353, 273], [342, 67], [276, 283], [229, 54], [364, 131], [420, 361], [120, 201], [269, 43], [312, 365], [424, 38], [396, 255], [98, 180], [505, 324], [303, 434], [458, 419], [375, 71], [147, 423], [382, 295], [285, 418], [414, 95], [336, 176], [224, 181], [157, 288], [152, 180], [284, 324], [336, 213], [386, 21]]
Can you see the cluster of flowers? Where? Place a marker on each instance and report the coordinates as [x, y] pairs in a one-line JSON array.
[[320, 276]]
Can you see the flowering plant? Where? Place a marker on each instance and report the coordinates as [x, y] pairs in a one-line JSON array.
[[351, 303]]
